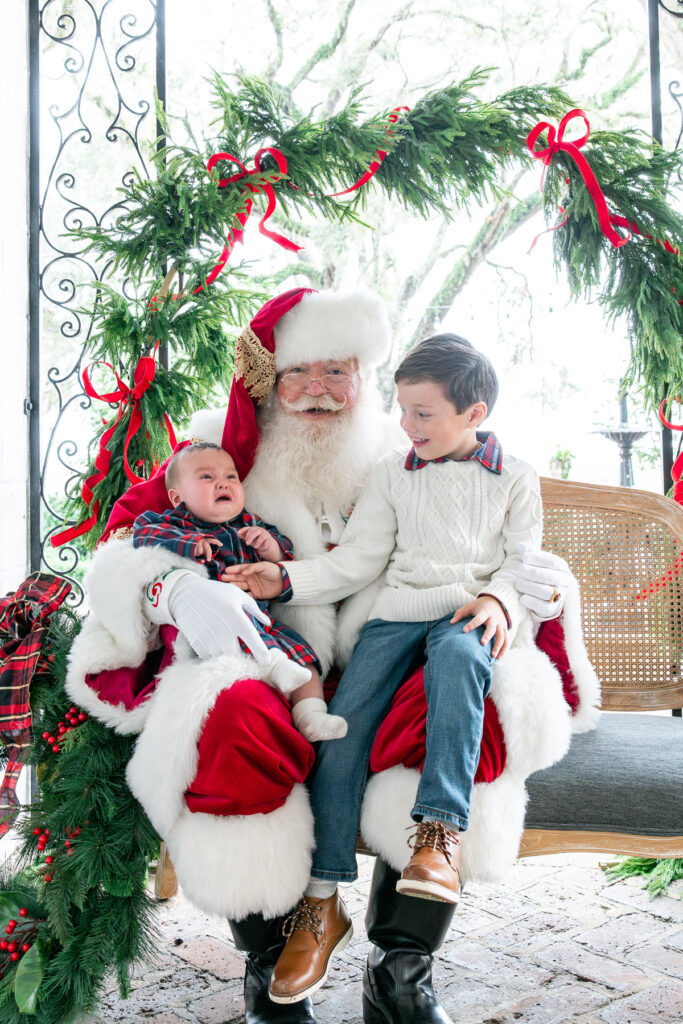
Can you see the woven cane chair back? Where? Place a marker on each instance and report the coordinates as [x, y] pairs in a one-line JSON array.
[[617, 541]]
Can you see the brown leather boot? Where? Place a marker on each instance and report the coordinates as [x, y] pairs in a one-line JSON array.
[[432, 872], [316, 930]]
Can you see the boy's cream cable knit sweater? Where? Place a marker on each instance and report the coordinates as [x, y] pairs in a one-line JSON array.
[[445, 533]]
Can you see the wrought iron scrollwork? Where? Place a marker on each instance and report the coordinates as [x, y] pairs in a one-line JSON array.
[[676, 93], [93, 125], [677, 11]]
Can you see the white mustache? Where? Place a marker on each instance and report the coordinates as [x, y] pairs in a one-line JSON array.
[[324, 401]]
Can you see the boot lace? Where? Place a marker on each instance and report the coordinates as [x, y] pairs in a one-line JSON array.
[[305, 917], [436, 835]]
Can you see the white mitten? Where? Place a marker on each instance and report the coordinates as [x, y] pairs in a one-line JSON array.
[[286, 675], [210, 614], [313, 722], [543, 580]]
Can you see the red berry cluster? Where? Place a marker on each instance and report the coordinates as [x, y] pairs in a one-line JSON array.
[[17, 945], [43, 836], [73, 717]]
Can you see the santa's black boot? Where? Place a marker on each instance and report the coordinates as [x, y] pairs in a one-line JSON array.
[[262, 940], [404, 932]]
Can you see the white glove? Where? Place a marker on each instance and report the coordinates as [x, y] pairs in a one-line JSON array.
[[211, 615], [543, 580]]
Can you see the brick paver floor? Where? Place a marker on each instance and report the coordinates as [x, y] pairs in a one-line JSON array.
[[555, 942]]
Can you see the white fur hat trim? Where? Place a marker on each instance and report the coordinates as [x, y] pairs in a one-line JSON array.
[[333, 325]]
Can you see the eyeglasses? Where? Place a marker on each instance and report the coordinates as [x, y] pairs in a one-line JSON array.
[[334, 381]]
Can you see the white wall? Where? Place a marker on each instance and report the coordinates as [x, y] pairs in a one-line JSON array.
[[14, 298]]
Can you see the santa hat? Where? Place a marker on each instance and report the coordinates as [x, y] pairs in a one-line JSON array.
[[299, 326]]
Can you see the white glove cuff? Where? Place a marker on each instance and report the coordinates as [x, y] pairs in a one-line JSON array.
[[157, 596]]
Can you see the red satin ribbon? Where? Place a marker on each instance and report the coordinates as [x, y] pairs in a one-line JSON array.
[[557, 144], [143, 376], [676, 473], [677, 469], [237, 234], [376, 164]]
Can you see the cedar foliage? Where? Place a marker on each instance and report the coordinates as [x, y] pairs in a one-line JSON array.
[[659, 873], [451, 150]]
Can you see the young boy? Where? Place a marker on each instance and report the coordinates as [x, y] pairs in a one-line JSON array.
[[445, 522], [208, 523]]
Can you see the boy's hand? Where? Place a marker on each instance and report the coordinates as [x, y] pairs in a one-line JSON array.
[[486, 610], [263, 543], [263, 580], [204, 548]]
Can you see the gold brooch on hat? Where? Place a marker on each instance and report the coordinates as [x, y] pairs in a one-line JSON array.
[[255, 365]]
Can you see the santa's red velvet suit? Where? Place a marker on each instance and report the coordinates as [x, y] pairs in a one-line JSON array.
[[218, 766]]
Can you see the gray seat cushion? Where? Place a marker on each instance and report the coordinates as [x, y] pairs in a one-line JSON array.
[[625, 776]]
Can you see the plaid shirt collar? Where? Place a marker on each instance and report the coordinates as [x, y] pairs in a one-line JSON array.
[[489, 454]]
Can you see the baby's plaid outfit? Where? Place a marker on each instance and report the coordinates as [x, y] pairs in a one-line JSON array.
[[178, 530]]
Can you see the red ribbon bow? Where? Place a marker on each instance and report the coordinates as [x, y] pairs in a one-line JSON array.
[[556, 144], [237, 234], [143, 376]]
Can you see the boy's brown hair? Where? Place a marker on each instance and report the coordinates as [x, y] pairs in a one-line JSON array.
[[465, 374]]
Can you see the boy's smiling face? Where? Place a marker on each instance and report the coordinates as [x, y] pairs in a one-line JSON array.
[[434, 426], [207, 482]]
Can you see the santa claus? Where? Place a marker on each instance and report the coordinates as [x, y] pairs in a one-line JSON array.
[[218, 765]]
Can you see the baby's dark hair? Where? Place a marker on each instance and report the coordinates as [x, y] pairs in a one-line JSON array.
[[171, 475], [465, 374]]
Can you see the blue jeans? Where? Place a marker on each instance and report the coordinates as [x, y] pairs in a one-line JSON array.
[[457, 677]]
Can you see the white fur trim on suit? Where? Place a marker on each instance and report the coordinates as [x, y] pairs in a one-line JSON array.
[[487, 848], [246, 864], [226, 865], [527, 692], [117, 634], [587, 683], [333, 325], [166, 755]]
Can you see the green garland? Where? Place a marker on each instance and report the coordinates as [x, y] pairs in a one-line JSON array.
[[644, 281], [83, 866], [450, 150]]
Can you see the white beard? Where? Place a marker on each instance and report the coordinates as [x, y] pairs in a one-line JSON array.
[[325, 462]]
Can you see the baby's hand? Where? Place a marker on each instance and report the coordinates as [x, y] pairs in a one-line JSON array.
[[204, 548], [263, 543], [263, 580], [486, 610]]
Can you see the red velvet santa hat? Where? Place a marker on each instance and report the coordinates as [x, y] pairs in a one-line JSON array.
[[299, 326]]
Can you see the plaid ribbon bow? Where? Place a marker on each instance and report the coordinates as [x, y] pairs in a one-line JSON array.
[[24, 618]]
